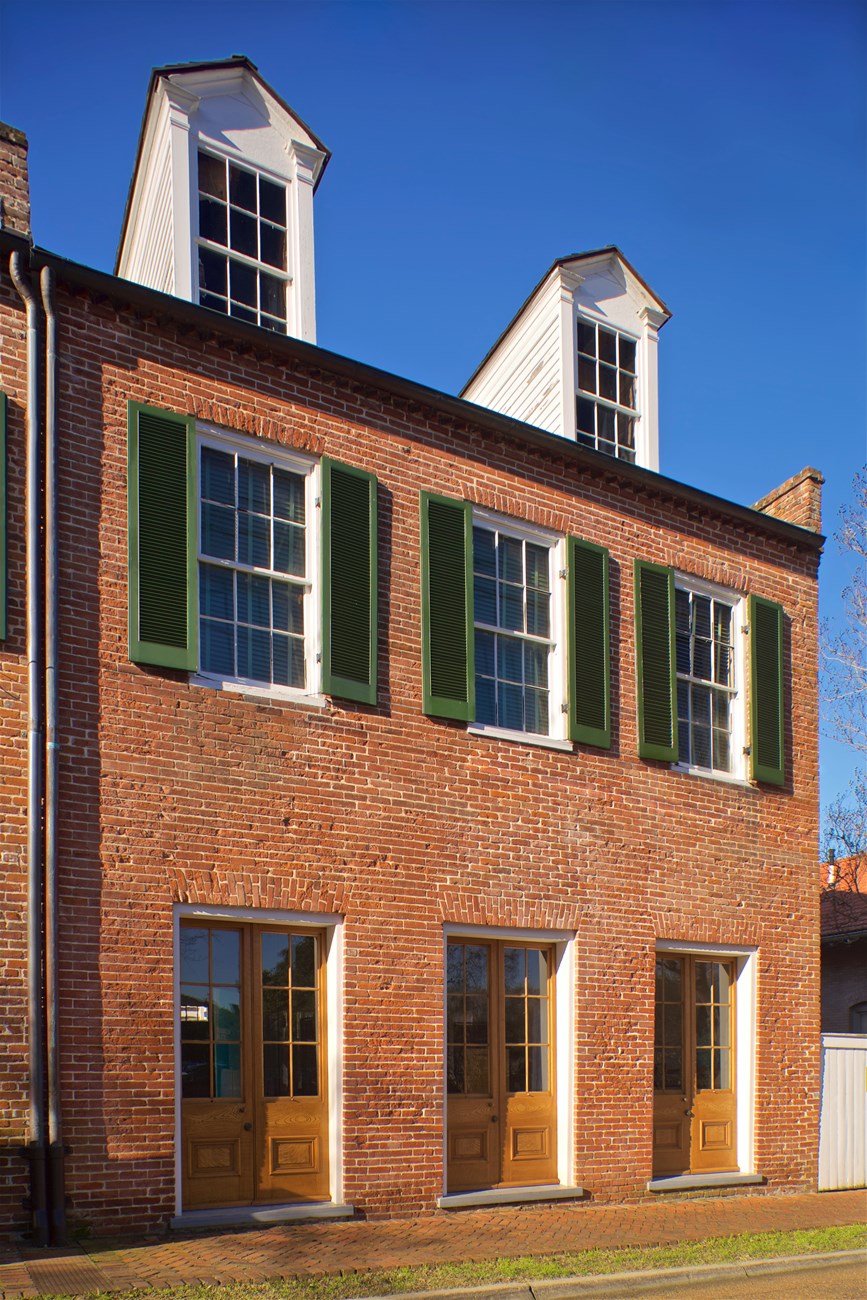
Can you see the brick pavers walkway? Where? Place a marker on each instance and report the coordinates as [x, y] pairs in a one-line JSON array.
[[288, 1250]]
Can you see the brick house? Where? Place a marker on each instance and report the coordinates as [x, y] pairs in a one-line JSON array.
[[417, 806], [843, 912]]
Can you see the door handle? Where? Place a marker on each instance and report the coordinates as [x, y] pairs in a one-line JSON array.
[[687, 1113], [248, 1127], [493, 1119]]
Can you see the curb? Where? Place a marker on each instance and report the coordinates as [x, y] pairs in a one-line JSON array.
[[639, 1282]]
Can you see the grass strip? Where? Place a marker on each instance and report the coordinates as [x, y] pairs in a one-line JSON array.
[[351, 1284]]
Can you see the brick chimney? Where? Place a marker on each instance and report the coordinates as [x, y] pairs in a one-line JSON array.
[[14, 184], [798, 500]]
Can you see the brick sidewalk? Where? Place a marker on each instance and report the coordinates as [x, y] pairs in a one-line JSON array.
[[257, 1254]]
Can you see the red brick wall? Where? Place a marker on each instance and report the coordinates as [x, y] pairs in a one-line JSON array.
[[798, 500], [14, 182], [173, 792]]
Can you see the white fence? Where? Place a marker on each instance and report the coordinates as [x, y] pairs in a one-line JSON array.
[[843, 1123]]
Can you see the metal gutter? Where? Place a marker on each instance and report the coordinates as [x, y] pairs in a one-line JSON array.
[[57, 1199], [295, 352]]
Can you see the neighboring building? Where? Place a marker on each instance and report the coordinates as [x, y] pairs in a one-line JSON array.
[[844, 946], [437, 807]]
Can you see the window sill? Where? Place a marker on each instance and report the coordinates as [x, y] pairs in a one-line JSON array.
[[508, 1196], [521, 738], [245, 1215], [263, 693], [740, 782], [692, 1182]]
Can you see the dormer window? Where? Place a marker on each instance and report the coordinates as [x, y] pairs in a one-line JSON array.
[[242, 255], [607, 400]]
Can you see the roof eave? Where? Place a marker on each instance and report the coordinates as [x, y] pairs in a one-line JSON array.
[[157, 303]]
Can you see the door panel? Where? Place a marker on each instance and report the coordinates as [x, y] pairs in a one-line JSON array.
[[254, 1110], [714, 1111], [501, 1113], [694, 1103], [472, 1119], [671, 1124], [529, 1150], [292, 1106], [216, 1114]]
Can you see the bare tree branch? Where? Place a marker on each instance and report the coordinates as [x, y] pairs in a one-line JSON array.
[[844, 650], [844, 700]]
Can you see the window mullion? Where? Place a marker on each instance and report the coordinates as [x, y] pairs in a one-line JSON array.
[[244, 258]]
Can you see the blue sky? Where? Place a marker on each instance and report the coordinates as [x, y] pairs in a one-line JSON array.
[[720, 145]]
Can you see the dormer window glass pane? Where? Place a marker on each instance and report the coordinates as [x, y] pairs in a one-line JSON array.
[[607, 402], [242, 243]]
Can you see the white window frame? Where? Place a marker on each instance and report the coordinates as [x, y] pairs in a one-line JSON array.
[[738, 708], [199, 241], [294, 462], [584, 317], [558, 719]]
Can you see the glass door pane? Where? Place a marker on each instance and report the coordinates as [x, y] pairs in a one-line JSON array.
[[668, 1047], [525, 987], [210, 1012], [468, 1039], [290, 1020]]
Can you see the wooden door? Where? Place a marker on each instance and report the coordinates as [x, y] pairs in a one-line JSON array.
[[217, 1112], [694, 1099], [501, 1109], [713, 1136], [254, 1110], [291, 1093]]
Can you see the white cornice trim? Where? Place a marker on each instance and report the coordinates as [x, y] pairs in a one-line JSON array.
[[180, 99], [650, 316], [308, 160]]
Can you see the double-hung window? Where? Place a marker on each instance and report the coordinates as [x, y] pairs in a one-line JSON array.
[[242, 243], [607, 402], [708, 700], [515, 614], [697, 647], [250, 563], [515, 627], [255, 567]]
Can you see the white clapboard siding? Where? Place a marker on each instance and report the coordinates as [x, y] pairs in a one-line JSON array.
[[148, 256], [523, 376], [843, 1123]]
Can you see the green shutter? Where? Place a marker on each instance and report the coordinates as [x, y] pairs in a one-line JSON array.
[[588, 637], [448, 675], [349, 582], [767, 745], [163, 591], [4, 559], [655, 661]]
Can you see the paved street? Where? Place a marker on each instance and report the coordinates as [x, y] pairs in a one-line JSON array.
[[835, 1282]]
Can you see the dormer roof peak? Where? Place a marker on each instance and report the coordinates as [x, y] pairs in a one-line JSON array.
[[220, 204]]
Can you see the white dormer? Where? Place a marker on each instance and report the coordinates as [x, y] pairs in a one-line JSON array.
[[220, 209], [579, 358]]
